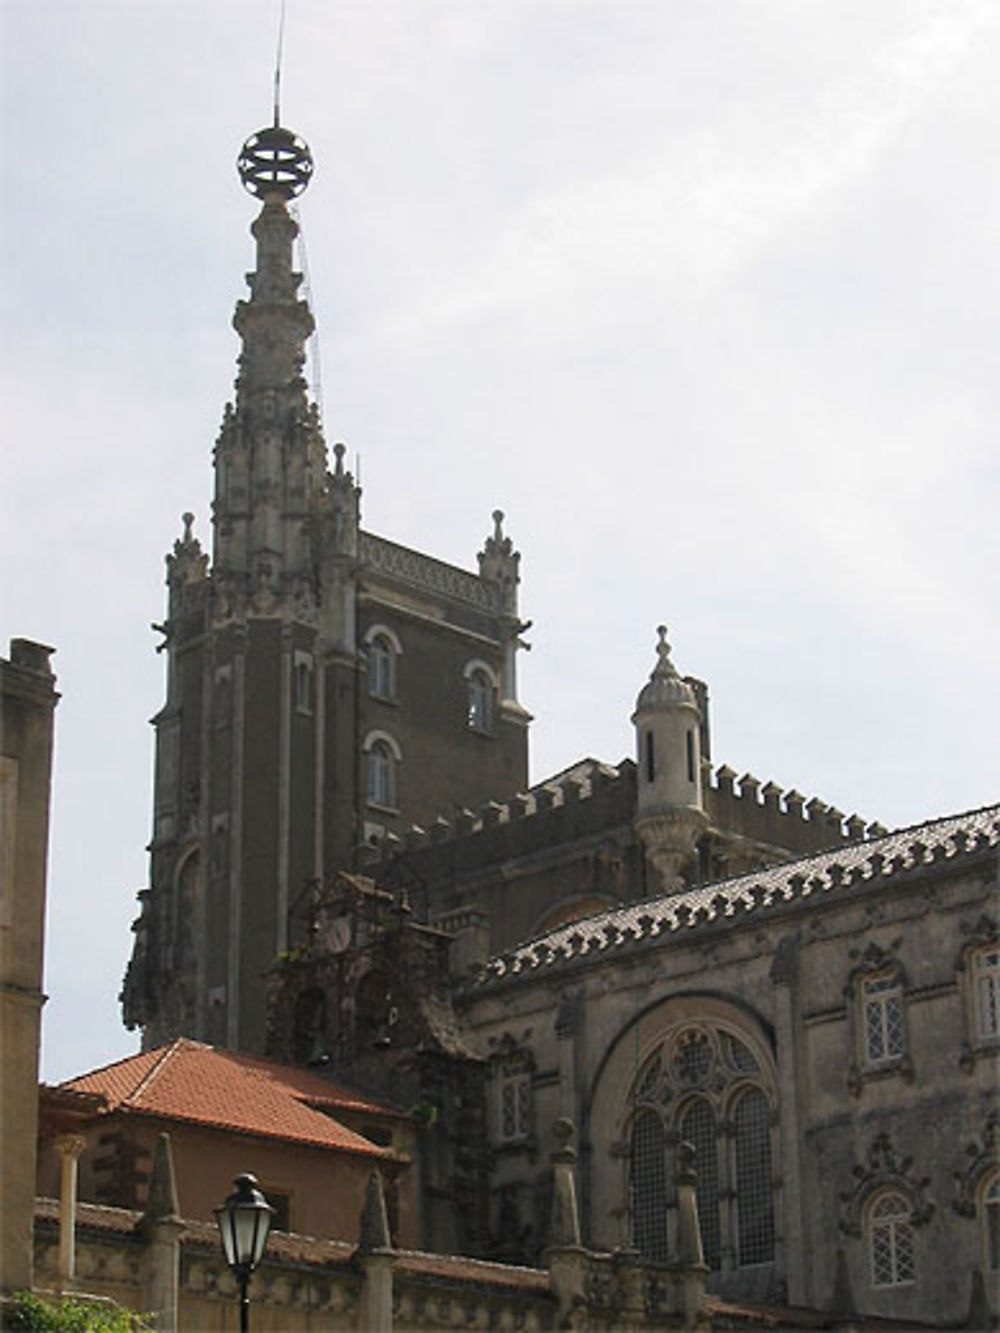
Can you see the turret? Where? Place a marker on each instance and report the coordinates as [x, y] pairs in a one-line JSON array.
[[670, 814]]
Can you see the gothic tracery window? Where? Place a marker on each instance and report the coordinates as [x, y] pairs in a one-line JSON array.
[[648, 1178], [697, 1126], [754, 1200], [704, 1085]]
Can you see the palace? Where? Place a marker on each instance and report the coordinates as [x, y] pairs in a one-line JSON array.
[[350, 870]]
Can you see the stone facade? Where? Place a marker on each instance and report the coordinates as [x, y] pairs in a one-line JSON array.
[[826, 1033], [171, 1267], [733, 992], [27, 706], [325, 688]]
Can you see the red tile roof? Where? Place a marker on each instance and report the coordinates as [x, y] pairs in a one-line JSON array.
[[199, 1084]]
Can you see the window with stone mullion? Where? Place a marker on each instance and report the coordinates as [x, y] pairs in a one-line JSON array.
[[883, 1011], [697, 1127], [893, 1260], [648, 1187], [754, 1190]]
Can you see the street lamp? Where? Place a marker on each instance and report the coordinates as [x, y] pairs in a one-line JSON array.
[[244, 1221]]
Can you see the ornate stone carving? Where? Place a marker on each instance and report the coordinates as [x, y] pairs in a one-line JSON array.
[[884, 1167]]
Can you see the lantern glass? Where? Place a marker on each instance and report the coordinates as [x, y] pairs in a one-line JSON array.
[[244, 1223]]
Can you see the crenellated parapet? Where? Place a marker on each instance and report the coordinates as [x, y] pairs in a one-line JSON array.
[[854, 868], [580, 802], [769, 815]]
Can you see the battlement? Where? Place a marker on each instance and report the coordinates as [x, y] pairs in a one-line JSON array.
[[586, 800], [786, 819], [839, 872], [591, 798]]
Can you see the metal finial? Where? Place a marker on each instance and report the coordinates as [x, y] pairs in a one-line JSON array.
[[277, 66], [274, 162]]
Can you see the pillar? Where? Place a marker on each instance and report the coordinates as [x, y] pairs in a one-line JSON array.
[[69, 1148]]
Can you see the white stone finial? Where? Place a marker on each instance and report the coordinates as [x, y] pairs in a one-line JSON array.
[[662, 647], [188, 521]]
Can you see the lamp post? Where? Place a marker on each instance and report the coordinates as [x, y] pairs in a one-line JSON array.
[[244, 1221]]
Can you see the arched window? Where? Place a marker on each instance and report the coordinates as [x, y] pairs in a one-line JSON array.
[[754, 1194], [383, 757], [705, 1086], [648, 1181], [480, 701], [989, 1205], [381, 668], [381, 784], [891, 1246], [697, 1127]]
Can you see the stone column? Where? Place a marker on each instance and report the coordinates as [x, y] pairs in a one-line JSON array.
[[691, 1267], [565, 1257], [378, 1259], [69, 1148], [161, 1227], [795, 1220]]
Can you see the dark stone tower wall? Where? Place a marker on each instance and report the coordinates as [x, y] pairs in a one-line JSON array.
[[265, 740]]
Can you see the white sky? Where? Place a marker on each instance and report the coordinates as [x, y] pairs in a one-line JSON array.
[[703, 294]]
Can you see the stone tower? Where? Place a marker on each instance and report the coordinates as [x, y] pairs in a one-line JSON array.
[[326, 688], [670, 807]]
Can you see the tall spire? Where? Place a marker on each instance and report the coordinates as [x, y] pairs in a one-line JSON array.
[[270, 461], [275, 165]]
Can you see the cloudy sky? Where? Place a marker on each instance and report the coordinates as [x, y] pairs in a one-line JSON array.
[[702, 293]]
